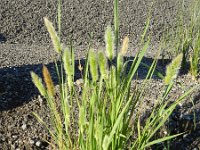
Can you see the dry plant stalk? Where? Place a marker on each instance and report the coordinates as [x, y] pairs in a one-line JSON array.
[[48, 81]]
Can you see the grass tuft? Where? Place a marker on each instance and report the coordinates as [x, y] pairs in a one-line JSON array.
[[106, 104], [105, 113]]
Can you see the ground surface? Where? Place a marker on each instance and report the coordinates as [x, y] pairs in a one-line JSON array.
[[24, 47]]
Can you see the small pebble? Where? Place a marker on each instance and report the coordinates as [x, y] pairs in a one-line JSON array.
[[185, 135], [14, 136], [24, 126], [3, 139], [31, 141], [40, 100], [38, 143], [12, 146], [10, 142], [186, 138], [165, 132], [180, 105]]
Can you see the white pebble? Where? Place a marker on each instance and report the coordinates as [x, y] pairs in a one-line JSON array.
[[38, 143], [179, 104], [14, 136], [24, 126], [40, 100], [165, 132]]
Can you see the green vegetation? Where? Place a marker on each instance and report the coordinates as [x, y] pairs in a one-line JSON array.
[[106, 114], [107, 104], [185, 38]]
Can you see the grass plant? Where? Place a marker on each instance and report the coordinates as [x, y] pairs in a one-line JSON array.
[[185, 39], [106, 113], [194, 58], [107, 104]]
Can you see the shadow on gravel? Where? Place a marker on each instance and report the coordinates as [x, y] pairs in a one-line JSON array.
[[16, 87], [185, 119], [2, 38]]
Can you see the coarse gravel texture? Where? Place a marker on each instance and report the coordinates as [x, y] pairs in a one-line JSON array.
[[22, 20], [25, 46]]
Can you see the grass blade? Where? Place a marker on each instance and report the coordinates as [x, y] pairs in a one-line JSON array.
[[161, 140]]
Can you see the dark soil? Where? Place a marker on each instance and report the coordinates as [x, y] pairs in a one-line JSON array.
[[25, 46]]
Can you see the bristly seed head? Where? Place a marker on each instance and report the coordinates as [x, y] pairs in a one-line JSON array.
[[102, 64], [124, 47], [38, 83], [109, 39], [67, 62], [54, 37], [93, 65], [48, 81], [173, 69]]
